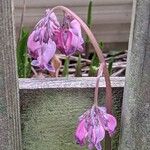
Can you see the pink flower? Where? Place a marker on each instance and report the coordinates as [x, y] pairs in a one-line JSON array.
[[49, 35], [81, 133], [41, 47], [45, 54], [92, 126], [69, 40], [109, 122], [33, 44]]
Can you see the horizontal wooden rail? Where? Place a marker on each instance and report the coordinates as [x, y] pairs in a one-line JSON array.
[[111, 18], [52, 83], [45, 3], [50, 109], [101, 14]]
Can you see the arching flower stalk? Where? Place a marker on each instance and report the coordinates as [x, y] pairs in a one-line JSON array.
[[94, 122], [48, 36]]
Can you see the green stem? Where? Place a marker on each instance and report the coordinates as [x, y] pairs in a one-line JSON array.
[[78, 67], [89, 23], [65, 72]]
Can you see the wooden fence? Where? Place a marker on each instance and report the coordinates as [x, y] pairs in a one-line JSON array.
[[111, 18], [49, 108]]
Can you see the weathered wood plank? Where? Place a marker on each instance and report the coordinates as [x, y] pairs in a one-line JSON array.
[[52, 83], [111, 19], [9, 100], [101, 14], [136, 103], [45, 3], [49, 116]]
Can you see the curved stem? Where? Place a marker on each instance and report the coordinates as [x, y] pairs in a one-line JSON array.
[[100, 73], [100, 56]]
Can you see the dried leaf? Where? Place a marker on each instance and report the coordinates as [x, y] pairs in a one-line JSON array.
[[56, 64]]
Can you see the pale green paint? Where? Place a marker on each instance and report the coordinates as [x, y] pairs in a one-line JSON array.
[[49, 117]]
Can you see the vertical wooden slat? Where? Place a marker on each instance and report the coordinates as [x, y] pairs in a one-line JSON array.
[[9, 99], [136, 103]]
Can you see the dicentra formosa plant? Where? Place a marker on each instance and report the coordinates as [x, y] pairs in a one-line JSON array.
[[48, 36]]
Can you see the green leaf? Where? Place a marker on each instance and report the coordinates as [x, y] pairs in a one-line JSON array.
[[89, 14], [101, 44], [94, 65], [89, 23], [78, 67], [110, 65], [65, 72], [23, 63], [95, 62]]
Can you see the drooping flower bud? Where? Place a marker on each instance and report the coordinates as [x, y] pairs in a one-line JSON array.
[[41, 47], [92, 126], [45, 54], [69, 38]]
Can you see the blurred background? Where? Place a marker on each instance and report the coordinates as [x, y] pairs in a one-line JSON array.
[[110, 18]]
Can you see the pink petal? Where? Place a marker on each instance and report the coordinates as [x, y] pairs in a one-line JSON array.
[[68, 40], [35, 63], [76, 28], [90, 146], [65, 39], [45, 54], [49, 51], [81, 132], [76, 43], [98, 134], [49, 67], [98, 146], [112, 123], [54, 18], [103, 109], [32, 45]]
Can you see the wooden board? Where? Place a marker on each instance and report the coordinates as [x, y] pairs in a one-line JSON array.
[[111, 19], [45, 3], [80, 82], [135, 133], [49, 116], [10, 138]]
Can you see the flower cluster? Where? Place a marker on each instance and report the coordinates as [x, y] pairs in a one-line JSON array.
[[49, 35], [92, 126]]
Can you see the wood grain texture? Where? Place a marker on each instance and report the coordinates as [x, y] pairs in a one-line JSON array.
[[49, 116], [81, 82], [111, 19], [45, 3], [9, 99], [107, 14], [136, 102]]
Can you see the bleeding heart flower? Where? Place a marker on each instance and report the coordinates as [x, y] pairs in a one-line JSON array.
[[69, 40], [45, 54], [81, 133], [92, 126], [41, 47], [33, 44], [48, 35]]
